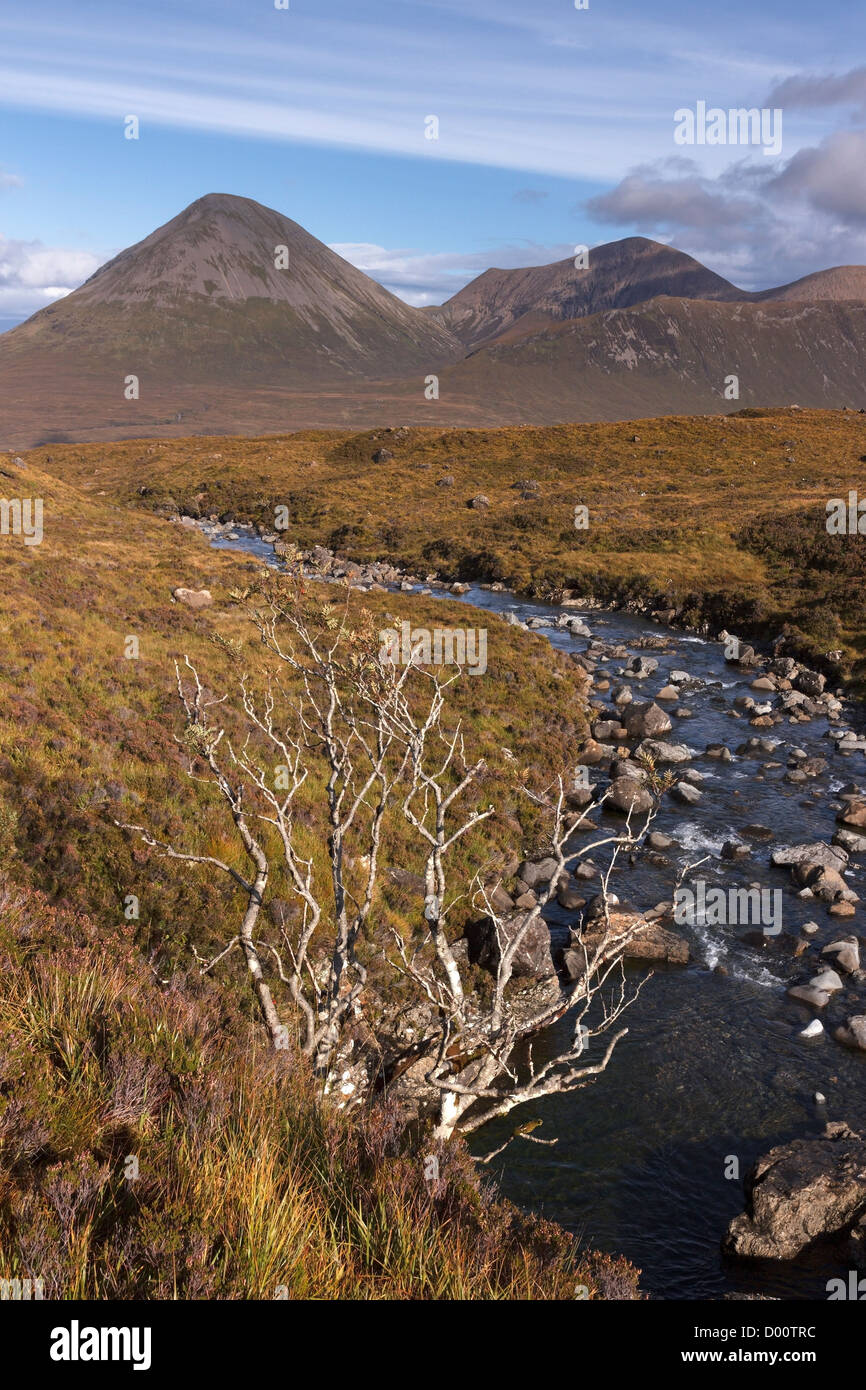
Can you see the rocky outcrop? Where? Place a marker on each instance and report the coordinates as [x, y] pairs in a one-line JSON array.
[[799, 1193], [532, 959], [629, 934]]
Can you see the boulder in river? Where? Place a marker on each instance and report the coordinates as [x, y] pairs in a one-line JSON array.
[[853, 1033], [629, 934], [847, 953], [799, 1193], [627, 795], [642, 666], [661, 752], [686, 793], [853, 816], [816, 854], [849, 840], [537, 873], [645, 719]]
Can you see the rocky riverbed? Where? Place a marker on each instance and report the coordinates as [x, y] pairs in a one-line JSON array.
[[752, 1036]]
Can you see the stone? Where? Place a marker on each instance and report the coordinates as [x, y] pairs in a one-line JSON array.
[[815, 1029], [661, 752], [810, 683], [532, 960], [828, 982], [569, 899], [720, 751], [645, 719], [733, 850], [807, 994], [659, 841], [853, 816], [799, 1193], [480, 502], [627, 795], [627, 767], [818, 853], [642, 666], [193, 598], [825, 883], [685, 792], [668, 692], [604, 729], [629, 934], [850, 841], [842, 909], [853, 1033], [847, 953], [537, 873]]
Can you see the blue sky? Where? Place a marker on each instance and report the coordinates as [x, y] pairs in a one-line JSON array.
[[555, 128]]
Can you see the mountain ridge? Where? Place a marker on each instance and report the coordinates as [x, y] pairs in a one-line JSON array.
[[232, 318]]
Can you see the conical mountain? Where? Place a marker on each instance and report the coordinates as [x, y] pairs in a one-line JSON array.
[[232, 289]]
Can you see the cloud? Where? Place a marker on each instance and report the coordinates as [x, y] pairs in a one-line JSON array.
[[508, 80], [423, 277], [529, 195], [8, 180], [806, 92], [32, 275], [756, 225], [831, 177], [655, 201]]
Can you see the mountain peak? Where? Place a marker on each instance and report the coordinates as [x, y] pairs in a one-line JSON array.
[[620, 274], [235, 287]]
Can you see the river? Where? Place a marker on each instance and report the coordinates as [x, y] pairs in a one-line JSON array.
[[713, 1069]]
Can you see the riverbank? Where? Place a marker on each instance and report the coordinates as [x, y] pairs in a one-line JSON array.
[[715, 522], [725, 1057]]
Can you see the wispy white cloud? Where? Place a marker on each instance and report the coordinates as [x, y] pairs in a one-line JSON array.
[[535, 87]]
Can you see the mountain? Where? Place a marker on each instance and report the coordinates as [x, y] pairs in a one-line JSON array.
[[840, 283], [671, 356], [203, 295], [223, 340], [620, 274]]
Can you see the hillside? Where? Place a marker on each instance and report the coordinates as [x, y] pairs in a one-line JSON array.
[[720, 519], [620, 274]]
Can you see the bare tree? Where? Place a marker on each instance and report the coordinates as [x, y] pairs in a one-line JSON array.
[[367, 737]]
